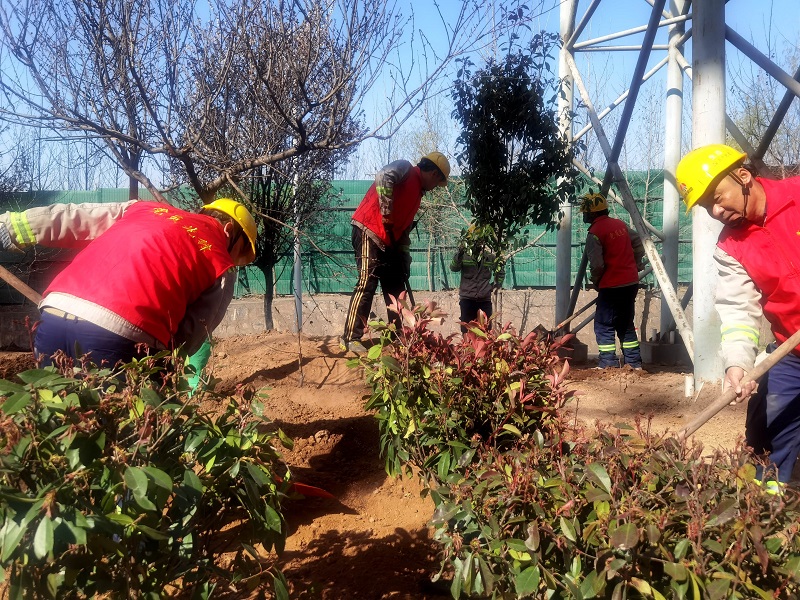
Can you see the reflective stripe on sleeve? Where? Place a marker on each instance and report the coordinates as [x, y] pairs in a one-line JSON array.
[[739, 332], [22, 229]]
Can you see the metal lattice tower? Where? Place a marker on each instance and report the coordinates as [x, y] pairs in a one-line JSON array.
[[703, 26]]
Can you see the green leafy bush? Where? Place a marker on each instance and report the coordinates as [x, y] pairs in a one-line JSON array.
[[529, 503], [438, 400], [114, 483]]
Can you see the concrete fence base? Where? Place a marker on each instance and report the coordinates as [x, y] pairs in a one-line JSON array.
[[324, 314]]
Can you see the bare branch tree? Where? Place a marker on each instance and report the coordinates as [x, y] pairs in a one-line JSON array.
[[156, 83]]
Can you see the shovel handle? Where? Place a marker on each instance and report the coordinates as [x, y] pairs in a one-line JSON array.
[[19, 285], [729, 395]]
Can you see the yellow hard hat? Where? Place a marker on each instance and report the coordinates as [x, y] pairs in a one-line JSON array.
[[239, 213], [440, 160], [593, 203], [702, 169]]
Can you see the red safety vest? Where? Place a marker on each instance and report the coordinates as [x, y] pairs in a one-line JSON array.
[[771, 254], [407, 196], [149, 266], [620, 264]]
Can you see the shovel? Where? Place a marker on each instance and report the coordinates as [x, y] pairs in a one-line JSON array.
[[19, 285], [730, 394]]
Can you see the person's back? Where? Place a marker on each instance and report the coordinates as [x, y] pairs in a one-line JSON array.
[[614, 252], [148, 274], [144, 271]]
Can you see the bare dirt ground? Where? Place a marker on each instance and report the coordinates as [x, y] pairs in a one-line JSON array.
[[372, 542]]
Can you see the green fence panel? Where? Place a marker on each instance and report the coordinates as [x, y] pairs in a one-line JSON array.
[[327, 259]]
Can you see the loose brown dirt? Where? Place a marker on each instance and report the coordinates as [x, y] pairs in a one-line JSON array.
[[372, 542]]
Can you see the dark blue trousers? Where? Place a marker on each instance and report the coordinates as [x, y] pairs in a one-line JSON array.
[[470, 308], [773, 415], [614, 319], [79, 337]]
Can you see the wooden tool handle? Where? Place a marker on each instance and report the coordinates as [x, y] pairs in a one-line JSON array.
[[730, 394]]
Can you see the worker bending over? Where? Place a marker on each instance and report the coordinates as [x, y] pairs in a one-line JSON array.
[[147, 273], [381, 227]]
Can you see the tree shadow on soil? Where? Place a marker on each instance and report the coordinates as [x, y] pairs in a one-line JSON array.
[[352, 565]]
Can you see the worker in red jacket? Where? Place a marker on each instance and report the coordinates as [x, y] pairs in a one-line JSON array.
[[615, 253], [381, 227], [148, 274], [758, 276]]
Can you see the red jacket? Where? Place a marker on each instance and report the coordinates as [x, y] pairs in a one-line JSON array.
[[770, 253], [149, 266], [407, 195], [619, 261]]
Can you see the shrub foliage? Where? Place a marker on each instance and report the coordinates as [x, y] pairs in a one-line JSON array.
[[530, 503], [117, 483]]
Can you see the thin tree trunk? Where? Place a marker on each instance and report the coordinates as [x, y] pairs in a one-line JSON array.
[[269, 296]]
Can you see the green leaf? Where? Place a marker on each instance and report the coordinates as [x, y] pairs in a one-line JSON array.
[[159, 477], [273, 519], [718, 589], [527, 582], [676, 571], [194, 439], [16, 402], [592, 585], [374, 352], [9, 387], [391, 363], [286, 441], [726, 511], [625, 537], [681, 548], [150, 396], [792, 567], [512, 429], [12, 533], [257, 474], [43, 538], [600, 474], [119, 519], [136, 481], [153, 534], [280, 587], [38, 376], [568, 529], [444, 466]]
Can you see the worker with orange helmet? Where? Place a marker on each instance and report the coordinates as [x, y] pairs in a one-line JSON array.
[[758, 275], [381, 237], [147, 274], [615, 253]]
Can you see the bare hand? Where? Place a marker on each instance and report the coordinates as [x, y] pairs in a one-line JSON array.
[[733, 377]]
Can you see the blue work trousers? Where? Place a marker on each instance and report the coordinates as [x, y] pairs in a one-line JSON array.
[[614, 319], [78, 337], [773, 415]]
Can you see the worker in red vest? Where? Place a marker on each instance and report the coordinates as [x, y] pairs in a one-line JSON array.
[[758, 276], [147, 274], [615, 254], [381, 227]]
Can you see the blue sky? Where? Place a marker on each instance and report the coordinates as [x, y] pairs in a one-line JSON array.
[[768, 24]]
